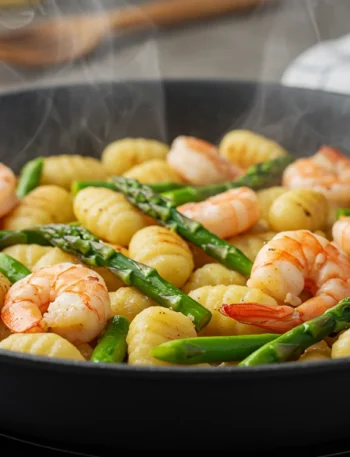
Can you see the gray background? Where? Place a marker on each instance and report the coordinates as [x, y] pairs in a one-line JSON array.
[[258, 45]]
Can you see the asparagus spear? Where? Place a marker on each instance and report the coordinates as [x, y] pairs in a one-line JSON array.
[[77, 186], [84, 245], [166, 186], [342, 212], [292, 344], [211, 348], [12, 269], [257, 177], [12, 237], [165, 212], [29, 177], [111, 346]]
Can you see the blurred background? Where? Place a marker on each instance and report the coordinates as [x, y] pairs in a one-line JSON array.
[[266, 43]]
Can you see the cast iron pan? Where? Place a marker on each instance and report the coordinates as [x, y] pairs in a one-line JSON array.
[[124, 407]]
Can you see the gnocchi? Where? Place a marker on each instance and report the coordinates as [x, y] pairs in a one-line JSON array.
[[62, 170], [108, 215], [246, 148], [154, 326], [43, 205], [165, 251], [122, 155]]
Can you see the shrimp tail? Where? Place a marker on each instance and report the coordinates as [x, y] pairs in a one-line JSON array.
[[278, 319], [22, 318]]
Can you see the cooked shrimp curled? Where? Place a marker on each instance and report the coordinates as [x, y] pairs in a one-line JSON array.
[[67, 299], [341, 234], [226, 214], [199, 162], [293, 262], [327, 172]]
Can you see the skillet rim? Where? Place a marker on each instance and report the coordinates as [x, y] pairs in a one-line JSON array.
[[186, 372], [123, 370], [173, 81]]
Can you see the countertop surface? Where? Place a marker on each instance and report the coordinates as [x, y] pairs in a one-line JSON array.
[[257, 45]]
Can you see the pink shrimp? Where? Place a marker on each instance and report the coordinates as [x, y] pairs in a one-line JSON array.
[[199, 162], [67, 299], [226, 214], [328, 172], [341, 234], [293, 262], [8, 198]]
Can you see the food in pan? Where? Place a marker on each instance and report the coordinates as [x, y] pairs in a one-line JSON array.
[[189, 254]]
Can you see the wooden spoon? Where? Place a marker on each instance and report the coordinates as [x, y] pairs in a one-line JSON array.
[[66, 38]]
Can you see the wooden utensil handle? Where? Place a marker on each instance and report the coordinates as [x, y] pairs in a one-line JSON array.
[[172, 12]]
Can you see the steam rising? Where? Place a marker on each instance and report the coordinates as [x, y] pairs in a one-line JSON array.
[[123, 59], [297, 121], [128, 58]]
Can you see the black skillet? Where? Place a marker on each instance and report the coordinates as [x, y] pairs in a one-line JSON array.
[[124, 407]]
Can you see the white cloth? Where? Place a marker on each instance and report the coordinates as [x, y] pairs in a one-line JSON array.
[[325, 66]]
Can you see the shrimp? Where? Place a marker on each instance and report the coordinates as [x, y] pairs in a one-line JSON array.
[[327, 172], [226, 214], [67, 299], [291, 263], [8, 198], [341, 234], [199, 162]]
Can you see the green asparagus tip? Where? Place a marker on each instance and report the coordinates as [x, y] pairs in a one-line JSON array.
[[29, 177], [122, 323], [257, 177], [170, 352], [166, 186], [210, 349], [77, 186]]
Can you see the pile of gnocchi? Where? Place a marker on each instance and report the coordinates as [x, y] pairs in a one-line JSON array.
[[297, 218]]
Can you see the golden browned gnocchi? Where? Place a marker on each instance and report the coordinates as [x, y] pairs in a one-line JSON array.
[[213, 297], [213, 274], [250, 244], [121, 155], [41, 344], [44, 205], [62, 170], [108, 215], [154, 171], [165, 251], [129, 302], [154, 326], [27, 254], [54, 256], [246, 148], [299, 209], [341, 347], [266, 197]]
